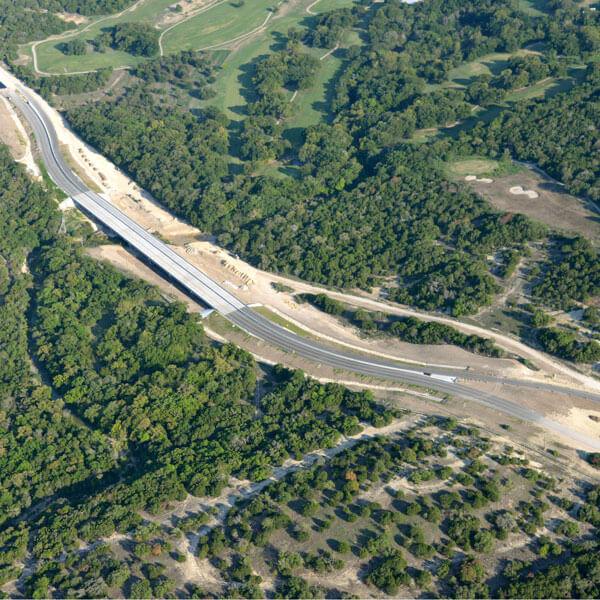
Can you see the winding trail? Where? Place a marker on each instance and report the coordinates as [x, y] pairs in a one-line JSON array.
[[330, 52], [192, 14], [308, 8], [241, 37], [68, 34], [201, 10]]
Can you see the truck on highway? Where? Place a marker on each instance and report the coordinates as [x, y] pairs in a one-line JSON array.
[[448, 378]]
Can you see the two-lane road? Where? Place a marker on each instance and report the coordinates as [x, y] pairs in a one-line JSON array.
[[214, 295]]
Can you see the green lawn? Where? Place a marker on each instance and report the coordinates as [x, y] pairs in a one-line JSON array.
[[473, 166], [535, 8], [326, 5], [52, 60], [490, 64], [234, 85], [218, 25], [265, 312], [312, 104]]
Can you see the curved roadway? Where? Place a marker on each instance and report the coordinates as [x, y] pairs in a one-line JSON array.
[[222, 300]]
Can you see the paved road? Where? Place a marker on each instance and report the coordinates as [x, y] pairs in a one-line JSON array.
[[210, 292]]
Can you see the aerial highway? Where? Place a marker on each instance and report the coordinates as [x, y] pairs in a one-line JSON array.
[[210, 292]]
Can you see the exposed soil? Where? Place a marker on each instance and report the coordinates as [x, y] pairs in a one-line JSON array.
[[72, 18], [9, 133], [125, 261], [13, 134], [563, 408], [187, 6], [554, 207], [252, 285]]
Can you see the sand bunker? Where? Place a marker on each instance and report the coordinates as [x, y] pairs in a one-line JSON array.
[[517, 190], [478, 179]]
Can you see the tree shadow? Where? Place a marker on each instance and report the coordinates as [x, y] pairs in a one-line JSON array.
[[295, 136], [496, 65], [279, 41], [290, 171], [246, 85]]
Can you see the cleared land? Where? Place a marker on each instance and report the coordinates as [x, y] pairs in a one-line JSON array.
[[9, 134], [175, 533], [553, 206]]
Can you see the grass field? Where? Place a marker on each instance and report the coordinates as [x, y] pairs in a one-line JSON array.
[[460, 77], [490, 64], [234, 82], [313, 103], [535, 8], [325, 5], [473, 166], [217, 26], [221, 25], [52, 60]]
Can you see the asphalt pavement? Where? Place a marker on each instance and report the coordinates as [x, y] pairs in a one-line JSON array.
[[202, 287]]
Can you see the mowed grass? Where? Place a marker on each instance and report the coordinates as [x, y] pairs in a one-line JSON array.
[[490, 64], [327, 5], [472, 167], [52, 60], [535, 8], [234, 82], [217, 26], [221, 25], [313, 104]]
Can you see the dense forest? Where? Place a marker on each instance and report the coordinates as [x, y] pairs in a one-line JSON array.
[[20, 23], [147, 388], [83, 7], [290, 226], [42, 451], [174, 155], [351, 513], [139, 39], [114, 403], [558, 134], [367, 206]]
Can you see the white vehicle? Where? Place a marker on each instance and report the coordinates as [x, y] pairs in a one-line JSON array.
[[448, 378]]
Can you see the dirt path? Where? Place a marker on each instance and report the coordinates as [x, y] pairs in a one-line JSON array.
[[309, 8], [504, 341], [192, 571], [191, 15], [218, 263], [330, 52], [244, 489]]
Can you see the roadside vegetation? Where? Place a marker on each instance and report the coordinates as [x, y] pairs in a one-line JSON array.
[[323, 151], [406, 329], [114, 401], [342, 202]]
